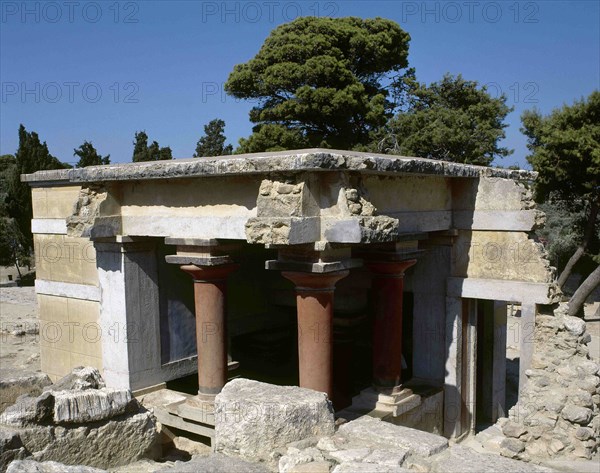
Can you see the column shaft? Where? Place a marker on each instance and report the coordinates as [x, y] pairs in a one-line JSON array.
[[388, 285], [210, 291], [314, 298]]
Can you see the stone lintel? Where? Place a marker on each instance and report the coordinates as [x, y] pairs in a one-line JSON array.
[[192, 241], [313, 267], [199, 260], [503, 290], [391, 256]]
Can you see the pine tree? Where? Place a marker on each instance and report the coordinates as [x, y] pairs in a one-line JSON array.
[[143, 152], [213, 141], [88, 156], [32, 155]]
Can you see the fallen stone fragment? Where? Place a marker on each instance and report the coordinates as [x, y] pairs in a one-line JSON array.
[[11, 447], [32, 466], [458, 459], [253, 419], [295, 457], [82, 377], [312, 467], [29, 410], [14, 384], [77, 407], [353, 467], [351, 455], [374, 430], [216, 463]]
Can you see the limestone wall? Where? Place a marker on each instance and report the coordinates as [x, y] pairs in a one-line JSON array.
[[558, 413], [66, 285]]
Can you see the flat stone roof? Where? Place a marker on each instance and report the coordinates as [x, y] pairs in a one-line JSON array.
[[262, 163]]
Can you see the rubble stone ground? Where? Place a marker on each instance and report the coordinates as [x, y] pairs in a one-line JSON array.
[[341, 452]]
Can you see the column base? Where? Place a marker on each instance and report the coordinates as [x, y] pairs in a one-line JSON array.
[[396, 403]]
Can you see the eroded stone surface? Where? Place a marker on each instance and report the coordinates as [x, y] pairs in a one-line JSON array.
[[31, 466], [78, 407], [383, 433], [216, 463], [459, 459], [558, 414], [13, 385], [253, 419]]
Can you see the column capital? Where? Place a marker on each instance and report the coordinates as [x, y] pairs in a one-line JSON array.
[[209, 273], [389, 268], [314, 282]]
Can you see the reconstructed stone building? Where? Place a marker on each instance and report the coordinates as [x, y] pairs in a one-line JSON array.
[[359, 274]]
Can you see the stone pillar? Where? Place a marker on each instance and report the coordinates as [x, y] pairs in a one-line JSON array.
[[314, 298], [210, 291], [209, 265], [388, 284]]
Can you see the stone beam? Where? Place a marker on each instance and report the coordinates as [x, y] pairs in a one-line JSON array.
[[502, 290]]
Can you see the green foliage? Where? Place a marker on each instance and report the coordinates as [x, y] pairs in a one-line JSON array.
[[13, 246], [88, 156], [31, 156], [321, 82], [453, 120], [213, 141], [143, 152], [565, 149], [7, 166], [563, 229]]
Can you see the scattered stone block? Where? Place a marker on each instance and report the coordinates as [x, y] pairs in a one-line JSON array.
[[78, 379], [351, 455], [14, 384], [32, 466], [458, 459], [78, 407], [11, 447], [312, 467], [215, 463], [368, 468], [387, 457], [106, 444], [376, 431], [253, 419], [295, 457], [29, 410]]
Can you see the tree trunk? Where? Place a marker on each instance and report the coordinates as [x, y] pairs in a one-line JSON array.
[[583, 291], [589, 231]]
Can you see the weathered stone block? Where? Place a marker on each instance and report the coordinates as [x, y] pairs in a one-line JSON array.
[[458, 459], [252, 419], [13, 385], [574, 325], [385, 434], [577, 414], [32, 466], [512, 429], [77, 407], [104, 444], [215, 463]]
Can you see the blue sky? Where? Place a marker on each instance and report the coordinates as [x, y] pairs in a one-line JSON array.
[[101, 70]]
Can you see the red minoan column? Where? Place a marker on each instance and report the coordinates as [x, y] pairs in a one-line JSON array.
[[210, 289], [388, 284], [314, 298]]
